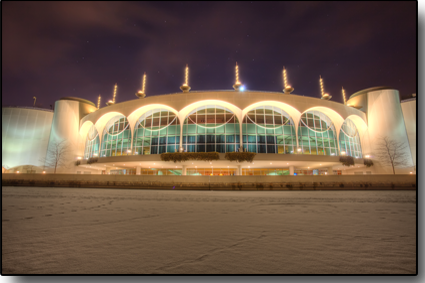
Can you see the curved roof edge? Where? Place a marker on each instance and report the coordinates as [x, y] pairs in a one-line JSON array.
[[369, 90], [29, 107], [79, 100]]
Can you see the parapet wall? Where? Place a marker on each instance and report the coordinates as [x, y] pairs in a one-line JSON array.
[[216, 182]]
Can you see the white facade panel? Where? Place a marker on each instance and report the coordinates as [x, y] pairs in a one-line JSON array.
[[409, 113], [25, 136], [385, 119]]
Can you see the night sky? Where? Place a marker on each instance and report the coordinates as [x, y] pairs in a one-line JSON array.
[[55, 49]]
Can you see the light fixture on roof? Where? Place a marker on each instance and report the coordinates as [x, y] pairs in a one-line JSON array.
[[325, 96], [141, 93], [237, 84], [287, 88], [185, 87], [112, 102], [343, 96], [98, 102]]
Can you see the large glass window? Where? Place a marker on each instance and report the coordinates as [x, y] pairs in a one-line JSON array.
[[157, 131], [116, 140], [268, 172], [211, 171], [268, 129], [211, 128], [92, 143], [316, 134], [349, 139]]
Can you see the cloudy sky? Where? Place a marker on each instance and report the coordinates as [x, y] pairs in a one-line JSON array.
[[56, 49]]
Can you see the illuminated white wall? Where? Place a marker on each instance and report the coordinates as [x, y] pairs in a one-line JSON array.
[[25, 136], [385, 118], [66, 126], [409, 113]]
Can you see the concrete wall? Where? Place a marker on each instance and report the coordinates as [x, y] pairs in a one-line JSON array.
[[25, 136], [409, 114], [219, 181], [66, 126], [386, 120]]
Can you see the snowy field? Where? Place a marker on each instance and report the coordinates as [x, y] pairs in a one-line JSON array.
[[102, 231]]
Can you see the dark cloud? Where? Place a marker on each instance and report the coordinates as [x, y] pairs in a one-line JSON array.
[[55, 49]]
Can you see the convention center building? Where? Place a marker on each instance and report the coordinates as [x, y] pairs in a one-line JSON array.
[[290, 134]]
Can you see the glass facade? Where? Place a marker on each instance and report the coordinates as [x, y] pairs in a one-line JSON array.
[[268, 129], [116, 139], [269, 172], [154, 171], [157, 131], [349, 139], [211, 128], [92, 143], [316, 134], [211, 171]]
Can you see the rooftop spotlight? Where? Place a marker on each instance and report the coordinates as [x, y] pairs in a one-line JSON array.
[[325, 96], [238, 84], [112, 102], [185, 87], [141, 93], [287, 88], [343, 96], [98, 102]]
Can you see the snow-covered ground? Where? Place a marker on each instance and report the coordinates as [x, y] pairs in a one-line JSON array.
[[62, 230]]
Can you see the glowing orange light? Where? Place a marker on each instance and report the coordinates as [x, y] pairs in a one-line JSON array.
[[186, 77], [115, 93], [98, 102], [144, 83], [321, 86], [343, 95], [284, 78], [237, 74]]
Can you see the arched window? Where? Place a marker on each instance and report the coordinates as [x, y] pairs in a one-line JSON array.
[[211, 128], [157, 131], [92, 143], [349, 139], [116, 139], [316, 134], [268, 129]]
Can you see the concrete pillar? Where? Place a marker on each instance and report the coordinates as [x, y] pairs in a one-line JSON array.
[[291, 170], [330, 171], [138, 170], [184, 170], [240, 170]]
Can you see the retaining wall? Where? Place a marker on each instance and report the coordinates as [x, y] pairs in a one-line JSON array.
[[213, 182]]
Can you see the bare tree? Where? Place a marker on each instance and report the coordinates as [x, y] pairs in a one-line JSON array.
[[392, 153], [56, 155]]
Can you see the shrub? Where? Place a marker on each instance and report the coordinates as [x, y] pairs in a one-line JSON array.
[[259, 186], [239, 186], [233, 186], [185, 156], [346, 160], [271, 186], [289, 186], [368, 162], [341, 185], [240, 156], [314, 184], [91, 160], [77, 163]]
